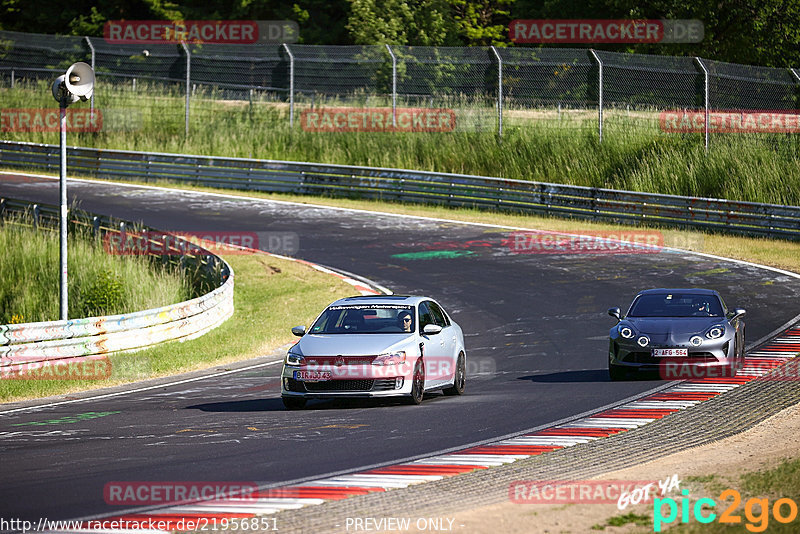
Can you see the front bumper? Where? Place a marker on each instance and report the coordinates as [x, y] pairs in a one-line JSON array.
[[718, 353], [382, 381]]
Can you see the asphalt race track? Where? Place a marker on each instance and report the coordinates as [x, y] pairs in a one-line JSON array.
[[536, 332]]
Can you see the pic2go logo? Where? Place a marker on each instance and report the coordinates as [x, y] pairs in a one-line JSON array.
[[756, 511]]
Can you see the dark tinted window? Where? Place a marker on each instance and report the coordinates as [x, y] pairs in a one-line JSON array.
[[676, 305], [438, 315], [364, 319], [425, 316]]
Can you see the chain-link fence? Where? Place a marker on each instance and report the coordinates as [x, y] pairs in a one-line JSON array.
[[485, 87]]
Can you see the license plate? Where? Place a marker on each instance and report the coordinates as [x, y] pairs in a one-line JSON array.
[[666, 353], [311, 376]]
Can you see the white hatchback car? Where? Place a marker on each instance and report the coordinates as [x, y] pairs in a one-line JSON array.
[[375, 346]]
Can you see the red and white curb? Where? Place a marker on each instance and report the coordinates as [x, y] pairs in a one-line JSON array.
[[599, 425]]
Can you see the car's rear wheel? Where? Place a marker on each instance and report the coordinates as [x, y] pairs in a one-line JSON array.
[[616, 372], [294, 403], [417, 383], [460, 378]]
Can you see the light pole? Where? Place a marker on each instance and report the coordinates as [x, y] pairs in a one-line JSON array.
[[76, 84]]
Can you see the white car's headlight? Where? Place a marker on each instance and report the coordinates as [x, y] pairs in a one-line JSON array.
[[626, 332], [390, 358], [715, 332], [294, 359]]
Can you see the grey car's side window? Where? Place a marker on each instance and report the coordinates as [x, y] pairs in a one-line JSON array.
[[439, 316], [425, 316]]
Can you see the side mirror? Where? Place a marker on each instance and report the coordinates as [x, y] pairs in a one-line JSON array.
[[738, 313], [615, 313], [431, 329], [299, 331]]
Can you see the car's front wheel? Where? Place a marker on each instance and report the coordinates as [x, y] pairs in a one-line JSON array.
[[460, 378], [294, 403], [417, 383]]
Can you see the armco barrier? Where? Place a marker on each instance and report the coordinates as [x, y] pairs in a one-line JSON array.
[[86, 338], [748, 218]]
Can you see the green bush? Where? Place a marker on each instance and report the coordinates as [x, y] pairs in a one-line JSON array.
[[104, 294]]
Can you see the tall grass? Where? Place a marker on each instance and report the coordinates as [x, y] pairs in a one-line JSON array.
[[98, 283], [540, 145]]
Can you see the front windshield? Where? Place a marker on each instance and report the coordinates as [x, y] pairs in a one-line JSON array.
[[676, 305], [365, 319]]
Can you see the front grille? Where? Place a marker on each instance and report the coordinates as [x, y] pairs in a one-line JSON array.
[[647, 357], [640, 357], [701, 357], [339, 385], [295, 385], [330, 361]]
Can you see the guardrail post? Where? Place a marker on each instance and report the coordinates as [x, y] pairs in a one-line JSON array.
[[2, 210], [705, 99], [291, 84], [394, 86], [96, 227], [36, 216], [599, 94], [91, 100], [499, 92], [188, 86]]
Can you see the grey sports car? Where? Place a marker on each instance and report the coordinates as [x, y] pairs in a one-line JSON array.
[[375, 346], [681, 333]]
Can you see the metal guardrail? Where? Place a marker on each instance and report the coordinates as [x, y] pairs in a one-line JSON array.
[[458, 190], [89, 338]]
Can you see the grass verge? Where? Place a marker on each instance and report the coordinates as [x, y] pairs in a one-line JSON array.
[[538, 145], [98, 283], [271, 295]]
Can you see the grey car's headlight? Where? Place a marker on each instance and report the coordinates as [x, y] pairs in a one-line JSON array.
[[293, 359], [390, 358], [643, 341], [626, 332], [696, 341], [715, 332]]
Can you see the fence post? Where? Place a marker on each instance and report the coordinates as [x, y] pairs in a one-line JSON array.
[[599, 94], [499, 92], [291, 84], [12, 78], [706, 103], [797, 76], [91, 101], [188, 87], [394, 86]]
